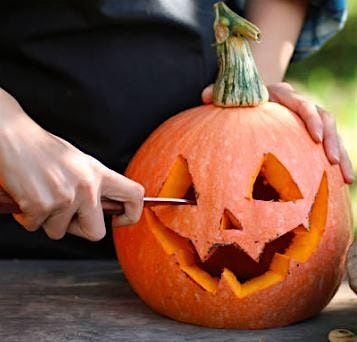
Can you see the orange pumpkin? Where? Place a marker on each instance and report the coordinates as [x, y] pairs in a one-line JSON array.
[[266, 242]]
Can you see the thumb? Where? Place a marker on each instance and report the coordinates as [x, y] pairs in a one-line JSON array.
[[120, 188], [207, 94]]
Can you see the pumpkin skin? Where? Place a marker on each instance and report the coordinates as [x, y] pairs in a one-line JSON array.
[[225, 149]]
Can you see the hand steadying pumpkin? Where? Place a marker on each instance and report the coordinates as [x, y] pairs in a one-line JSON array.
[[280, 24], [51, 180], [320, 124], [249, 252]]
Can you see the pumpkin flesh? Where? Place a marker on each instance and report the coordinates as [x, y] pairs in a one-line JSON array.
[[166, 255], [266, 242]]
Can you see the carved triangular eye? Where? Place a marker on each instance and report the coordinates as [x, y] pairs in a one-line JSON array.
[[229, 221], [179, 182], [274, 182], [191, 194]]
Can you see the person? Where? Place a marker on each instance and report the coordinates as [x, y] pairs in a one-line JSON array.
[[95, 78]]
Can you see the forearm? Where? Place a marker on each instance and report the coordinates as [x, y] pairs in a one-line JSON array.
[[280, 22]]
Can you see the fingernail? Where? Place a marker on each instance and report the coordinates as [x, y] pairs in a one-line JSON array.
[[335, 158], [319, 135], [349, 180]]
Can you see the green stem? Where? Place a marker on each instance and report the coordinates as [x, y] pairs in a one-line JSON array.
[[238, 83]]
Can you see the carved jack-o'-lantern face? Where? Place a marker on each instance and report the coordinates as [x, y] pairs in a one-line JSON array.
[[264, 244], [240, 245]]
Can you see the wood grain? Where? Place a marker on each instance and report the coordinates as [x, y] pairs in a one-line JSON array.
[[78, 301]]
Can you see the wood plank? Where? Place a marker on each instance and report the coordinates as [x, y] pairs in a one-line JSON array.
[[91, 301]]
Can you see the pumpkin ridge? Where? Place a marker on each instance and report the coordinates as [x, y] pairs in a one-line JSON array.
[[271, 272]]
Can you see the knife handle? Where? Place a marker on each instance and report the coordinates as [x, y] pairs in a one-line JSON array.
[[9, 206]]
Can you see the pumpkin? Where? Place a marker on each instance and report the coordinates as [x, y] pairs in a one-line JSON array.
[[266, 241]]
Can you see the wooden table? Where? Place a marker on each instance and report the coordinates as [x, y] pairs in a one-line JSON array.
[[91, 301]]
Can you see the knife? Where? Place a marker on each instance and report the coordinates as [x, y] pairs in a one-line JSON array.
[[110, 207]]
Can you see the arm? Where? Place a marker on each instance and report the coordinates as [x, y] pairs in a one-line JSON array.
[[55, 185], [280, 23]]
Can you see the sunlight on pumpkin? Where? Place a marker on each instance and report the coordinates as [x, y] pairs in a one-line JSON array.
[[298, 244], [273, 181]]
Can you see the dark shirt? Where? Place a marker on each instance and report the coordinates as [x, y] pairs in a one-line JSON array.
[[102, 75]]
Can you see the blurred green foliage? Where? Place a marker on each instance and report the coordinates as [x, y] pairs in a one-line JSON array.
[[330, 78]]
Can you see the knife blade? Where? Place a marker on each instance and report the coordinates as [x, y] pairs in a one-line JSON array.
[[110, 207]]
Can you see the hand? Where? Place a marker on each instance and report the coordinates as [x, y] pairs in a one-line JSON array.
[[51, 180], [320, 124]]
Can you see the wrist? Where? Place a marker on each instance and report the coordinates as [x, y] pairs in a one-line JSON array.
[[13, 119]]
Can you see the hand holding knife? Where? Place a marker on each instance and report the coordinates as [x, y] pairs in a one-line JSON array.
[[110, 207]]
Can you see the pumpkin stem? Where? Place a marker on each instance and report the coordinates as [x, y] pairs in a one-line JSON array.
[[238, 82]]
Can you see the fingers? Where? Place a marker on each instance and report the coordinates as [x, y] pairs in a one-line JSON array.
[[63, 180], [55, 215], [280, 85], [89, 221], [74, 228], [207, 94], [90, 216], [345, 164], [81, 213], [334, 148], [320, 124], [120, 188], [56, 225], [284, 94], [31, 222], [132, 214], [36, 209], [331, 142]]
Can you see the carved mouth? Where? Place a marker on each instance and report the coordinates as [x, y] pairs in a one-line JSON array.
[[244, 268], [229, 262]]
